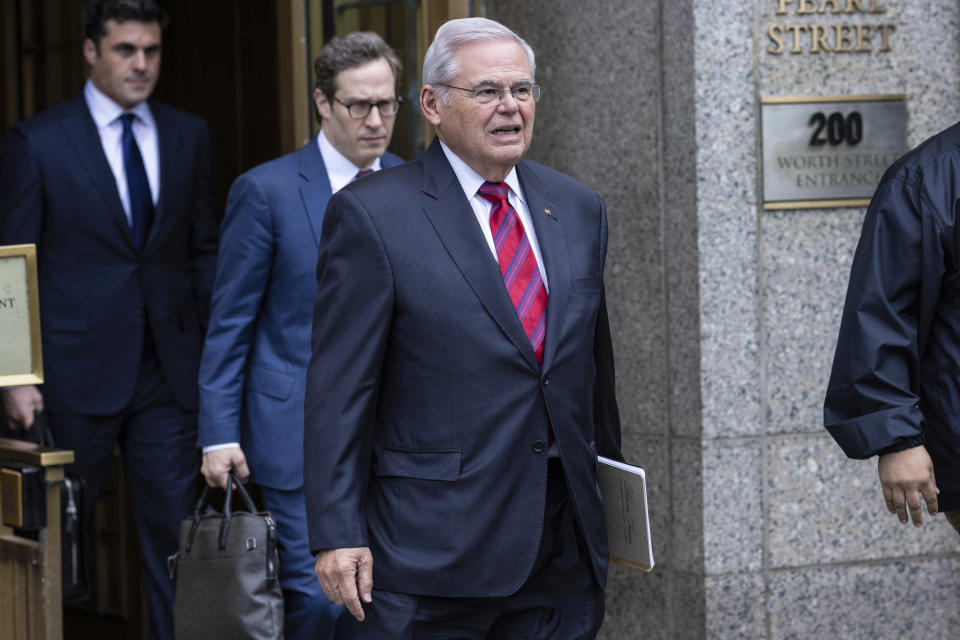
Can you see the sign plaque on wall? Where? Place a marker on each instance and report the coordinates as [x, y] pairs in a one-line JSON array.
[[20, 358], [829, 151]]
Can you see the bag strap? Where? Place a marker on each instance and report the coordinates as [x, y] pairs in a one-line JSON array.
[[251, 507], [41, 423], [197, 512], [225, 522], [232, 483]]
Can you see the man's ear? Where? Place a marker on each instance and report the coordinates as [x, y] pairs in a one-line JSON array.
[[324, 108], [90, 51], [430, 104]]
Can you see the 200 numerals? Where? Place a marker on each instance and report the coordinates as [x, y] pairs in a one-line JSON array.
[[836, 129]]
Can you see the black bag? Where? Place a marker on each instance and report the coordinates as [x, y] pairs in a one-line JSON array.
[[73, 550], [73, 559], [227, 573], [76, 586]]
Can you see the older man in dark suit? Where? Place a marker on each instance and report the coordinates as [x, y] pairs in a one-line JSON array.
[[461, 383], [115, 192]]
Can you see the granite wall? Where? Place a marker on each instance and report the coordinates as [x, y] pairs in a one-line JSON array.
[[725, 316]]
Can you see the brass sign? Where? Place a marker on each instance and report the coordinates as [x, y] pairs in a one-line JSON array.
[[20, 357], [810, 27], [828, 151]]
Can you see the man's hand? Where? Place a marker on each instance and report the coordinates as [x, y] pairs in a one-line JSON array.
[[22, 405], [907, 480], [218, 462], [346, 576]]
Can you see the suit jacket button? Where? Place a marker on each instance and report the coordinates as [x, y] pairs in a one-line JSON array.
[[539, 446]]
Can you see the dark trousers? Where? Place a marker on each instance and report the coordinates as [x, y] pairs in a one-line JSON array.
[[953, 517], [307, 614], [560, 599], [158, 440]]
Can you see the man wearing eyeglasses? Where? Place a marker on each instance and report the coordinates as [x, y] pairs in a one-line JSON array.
[[258, 344], [461, 382]]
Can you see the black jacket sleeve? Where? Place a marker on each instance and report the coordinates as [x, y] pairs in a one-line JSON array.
[[873, 402]]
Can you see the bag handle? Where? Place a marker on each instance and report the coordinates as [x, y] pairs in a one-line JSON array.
[[202, 503], [197, 513], [232, 483], [247, 500]]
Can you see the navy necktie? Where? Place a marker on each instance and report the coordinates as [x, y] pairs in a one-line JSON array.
[[138, 187]]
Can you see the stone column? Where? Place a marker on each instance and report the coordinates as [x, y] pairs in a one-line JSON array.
[[725, 316]]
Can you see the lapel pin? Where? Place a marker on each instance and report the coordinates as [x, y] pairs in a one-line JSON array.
[[547, 211]]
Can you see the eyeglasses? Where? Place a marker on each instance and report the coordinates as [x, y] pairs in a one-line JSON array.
[[362, 109], [485, 94]]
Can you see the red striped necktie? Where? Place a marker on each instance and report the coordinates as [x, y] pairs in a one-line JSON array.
[[363, 173], [518, 265]]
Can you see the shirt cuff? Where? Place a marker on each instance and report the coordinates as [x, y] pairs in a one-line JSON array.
[[903, 445], [225, 445]]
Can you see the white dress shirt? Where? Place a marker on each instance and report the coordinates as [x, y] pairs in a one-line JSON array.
[[340, 170], [471, 181], [106, 115]]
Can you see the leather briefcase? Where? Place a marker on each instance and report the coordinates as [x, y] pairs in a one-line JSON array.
[[227, 572]]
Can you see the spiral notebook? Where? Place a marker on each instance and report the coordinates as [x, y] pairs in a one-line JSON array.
[[624, 490]]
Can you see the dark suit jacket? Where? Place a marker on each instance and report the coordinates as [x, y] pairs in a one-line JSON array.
[[57, 191], [256, 351], [426, 412]]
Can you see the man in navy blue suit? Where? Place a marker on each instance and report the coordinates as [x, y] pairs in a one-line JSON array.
[[256, 352], [461, 382], [115, 192]]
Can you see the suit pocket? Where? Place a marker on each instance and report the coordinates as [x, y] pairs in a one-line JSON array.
[[65, 322], [423, 465], [275, 384], [593, 283]]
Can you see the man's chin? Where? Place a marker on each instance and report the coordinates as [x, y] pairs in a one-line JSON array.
[[367, 159], [510, 157], [134, 98], [373, 149]]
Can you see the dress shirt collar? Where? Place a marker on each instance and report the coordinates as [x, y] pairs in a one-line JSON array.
[[471, 181], [340, 170], [105, 111]]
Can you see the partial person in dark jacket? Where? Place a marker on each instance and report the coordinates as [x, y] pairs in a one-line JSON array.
[[894, 390]]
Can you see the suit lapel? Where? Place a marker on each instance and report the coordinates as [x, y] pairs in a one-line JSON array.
[[547, 224], [315, 188], [81, 132], [452, 217]]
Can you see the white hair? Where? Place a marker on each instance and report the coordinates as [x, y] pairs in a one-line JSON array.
[[440, 64]]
